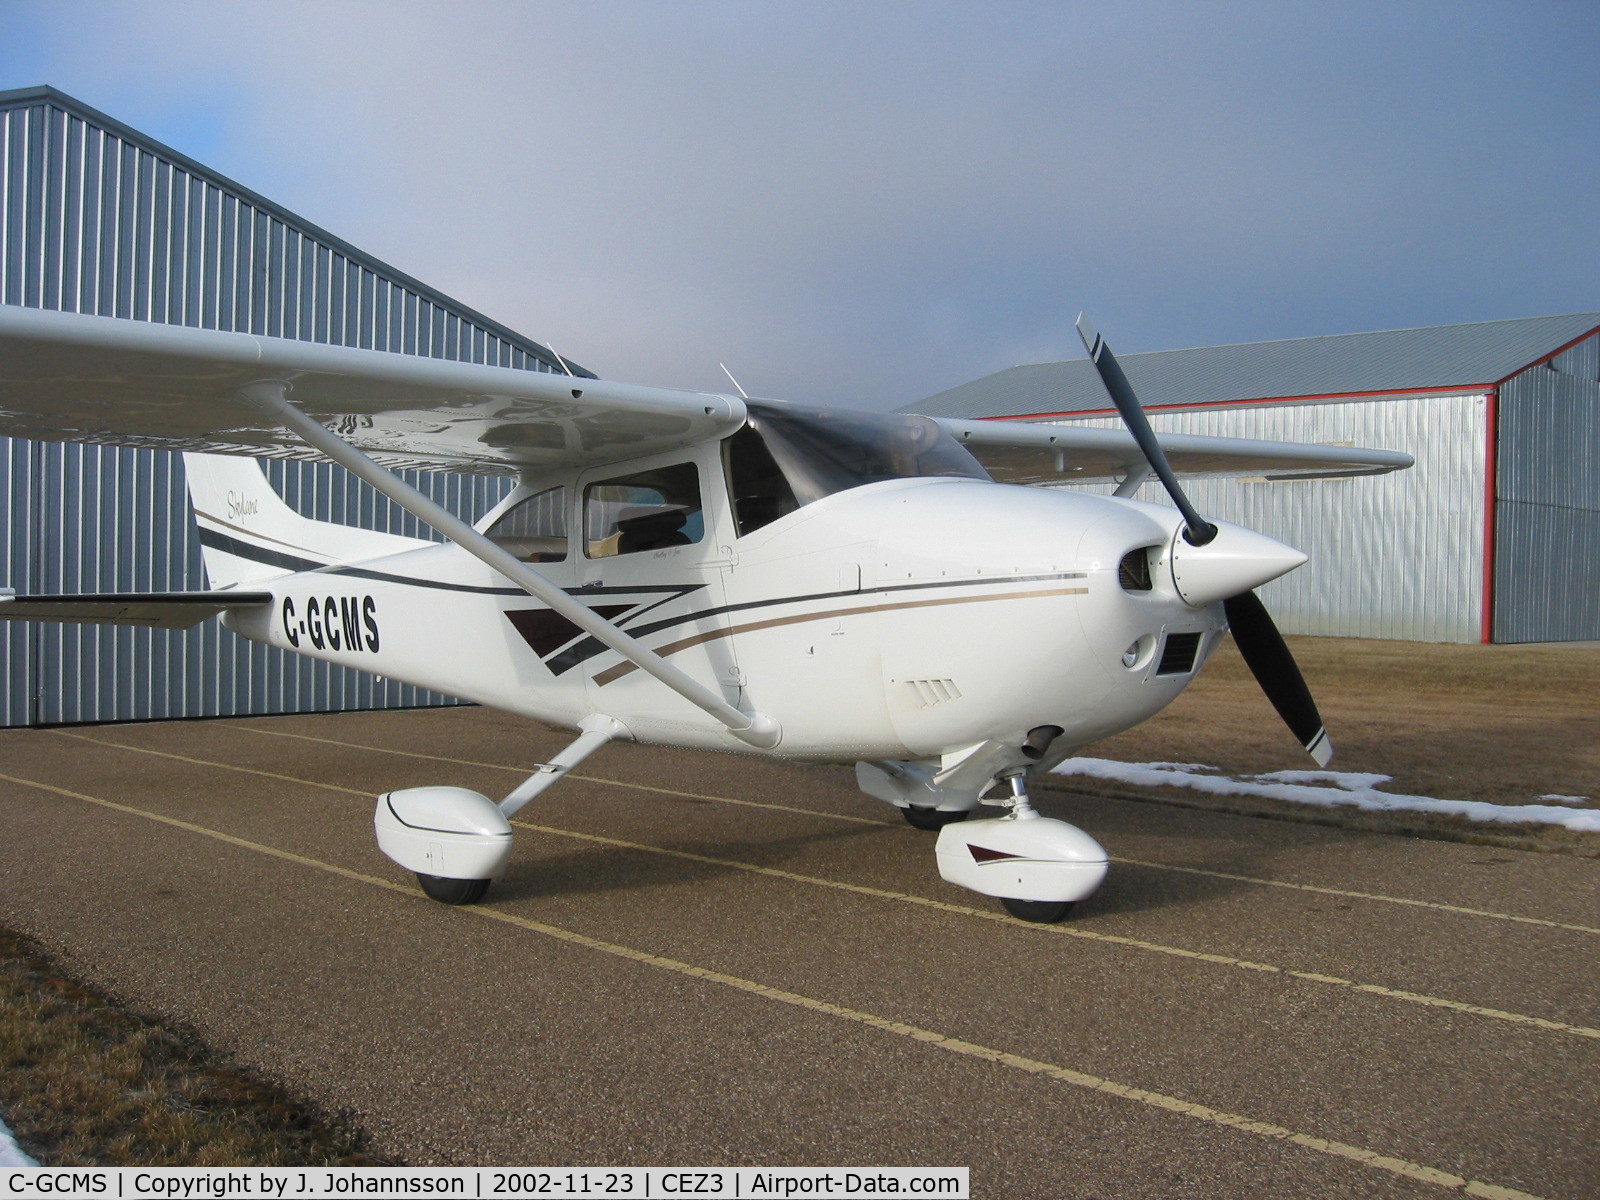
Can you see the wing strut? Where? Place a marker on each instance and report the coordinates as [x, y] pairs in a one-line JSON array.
[[270, 396]]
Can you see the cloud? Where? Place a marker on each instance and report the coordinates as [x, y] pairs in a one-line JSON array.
[[873, 202]]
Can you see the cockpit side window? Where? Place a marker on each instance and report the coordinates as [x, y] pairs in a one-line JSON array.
[[646, 510], [535, 529], [758, 489]]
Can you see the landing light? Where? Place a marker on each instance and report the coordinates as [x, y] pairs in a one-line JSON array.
[[1138, 653]]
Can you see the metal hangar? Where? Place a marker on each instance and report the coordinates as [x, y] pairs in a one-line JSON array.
[[97, 218], [1494, 535]]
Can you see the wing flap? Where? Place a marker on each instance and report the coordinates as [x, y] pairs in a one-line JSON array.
[[1025, 452], [71, 377], [152, 610]]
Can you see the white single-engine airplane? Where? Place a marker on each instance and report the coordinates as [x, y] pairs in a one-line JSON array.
[[688, 569]]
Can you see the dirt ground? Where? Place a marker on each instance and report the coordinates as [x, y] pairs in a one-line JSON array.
[[1505, 724]]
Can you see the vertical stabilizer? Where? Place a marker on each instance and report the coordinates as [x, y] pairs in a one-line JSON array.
[[248, 534]]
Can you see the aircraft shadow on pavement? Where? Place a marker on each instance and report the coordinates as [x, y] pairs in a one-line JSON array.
[[1233, 845], [590, 869], [615, 868]]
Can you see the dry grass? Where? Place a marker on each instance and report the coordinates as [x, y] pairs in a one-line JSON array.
[[88, 1084], [1505, 724]]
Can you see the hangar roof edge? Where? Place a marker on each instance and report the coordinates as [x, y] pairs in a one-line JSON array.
[[1397, 361]]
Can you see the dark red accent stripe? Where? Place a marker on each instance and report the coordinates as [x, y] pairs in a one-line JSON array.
[[1491, 482], [980, 854], [547, 631]]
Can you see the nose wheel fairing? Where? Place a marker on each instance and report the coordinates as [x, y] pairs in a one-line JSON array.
[[1022, 857], [1038, 867]]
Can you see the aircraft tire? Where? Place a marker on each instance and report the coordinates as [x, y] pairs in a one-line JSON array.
[[932, 818], [1041, 912], [453, 891]]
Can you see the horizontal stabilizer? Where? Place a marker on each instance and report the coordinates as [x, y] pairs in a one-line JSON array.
[[153, 610]]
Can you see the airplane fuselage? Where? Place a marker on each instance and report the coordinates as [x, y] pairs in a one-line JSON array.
[[898, 620]]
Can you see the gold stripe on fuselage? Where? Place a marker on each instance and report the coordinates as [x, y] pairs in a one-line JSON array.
[[612, 674]]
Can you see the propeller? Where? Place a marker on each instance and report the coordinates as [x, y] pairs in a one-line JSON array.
[[1259, 641]]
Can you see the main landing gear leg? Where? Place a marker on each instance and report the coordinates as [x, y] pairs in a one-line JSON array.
[[597, 731], [458, 841]]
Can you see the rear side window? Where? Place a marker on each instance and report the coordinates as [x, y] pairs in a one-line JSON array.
[[535, 529], [647, 510]]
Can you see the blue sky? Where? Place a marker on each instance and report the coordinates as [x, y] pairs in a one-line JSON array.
[[870, 202]]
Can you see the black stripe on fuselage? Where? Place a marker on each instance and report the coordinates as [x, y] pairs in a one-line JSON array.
[[589, 647], [289, 562], [213, 540]]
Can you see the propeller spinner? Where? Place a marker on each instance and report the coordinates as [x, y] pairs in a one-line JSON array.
[[1258, 638]]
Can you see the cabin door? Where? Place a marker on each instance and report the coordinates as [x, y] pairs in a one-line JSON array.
[[656, 542]]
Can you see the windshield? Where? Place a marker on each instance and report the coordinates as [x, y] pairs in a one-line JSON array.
[[825, 450]]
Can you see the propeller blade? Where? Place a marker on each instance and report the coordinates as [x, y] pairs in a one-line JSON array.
[[1258, 638], [1275, 670], [1200, 531]]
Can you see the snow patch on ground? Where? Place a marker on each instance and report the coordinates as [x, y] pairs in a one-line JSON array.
[[1327, 789], [11, 1154], [1567, 799]]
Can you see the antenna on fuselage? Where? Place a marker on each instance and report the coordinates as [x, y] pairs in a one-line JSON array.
[[743, 395]]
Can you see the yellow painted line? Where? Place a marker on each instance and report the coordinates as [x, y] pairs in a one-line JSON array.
[[1371, 989], [927, 1037], [191, 827], [1349, 895], [526, 771], [1221, 960], [206, 762], [811, 812]]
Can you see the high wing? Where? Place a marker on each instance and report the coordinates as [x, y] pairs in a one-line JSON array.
[[71, 377], [158, 610], [1025, 452]]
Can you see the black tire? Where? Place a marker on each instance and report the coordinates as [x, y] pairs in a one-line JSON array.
[[453, 891], [932, 818], [1041, 912]]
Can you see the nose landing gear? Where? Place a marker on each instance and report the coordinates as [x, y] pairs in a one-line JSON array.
[[1038, 867]]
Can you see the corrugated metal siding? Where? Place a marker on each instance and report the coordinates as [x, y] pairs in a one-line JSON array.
[[1581, 361], [1547, 511], [18, 473], [1392, 556], [95, 219], [1547, 574]]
